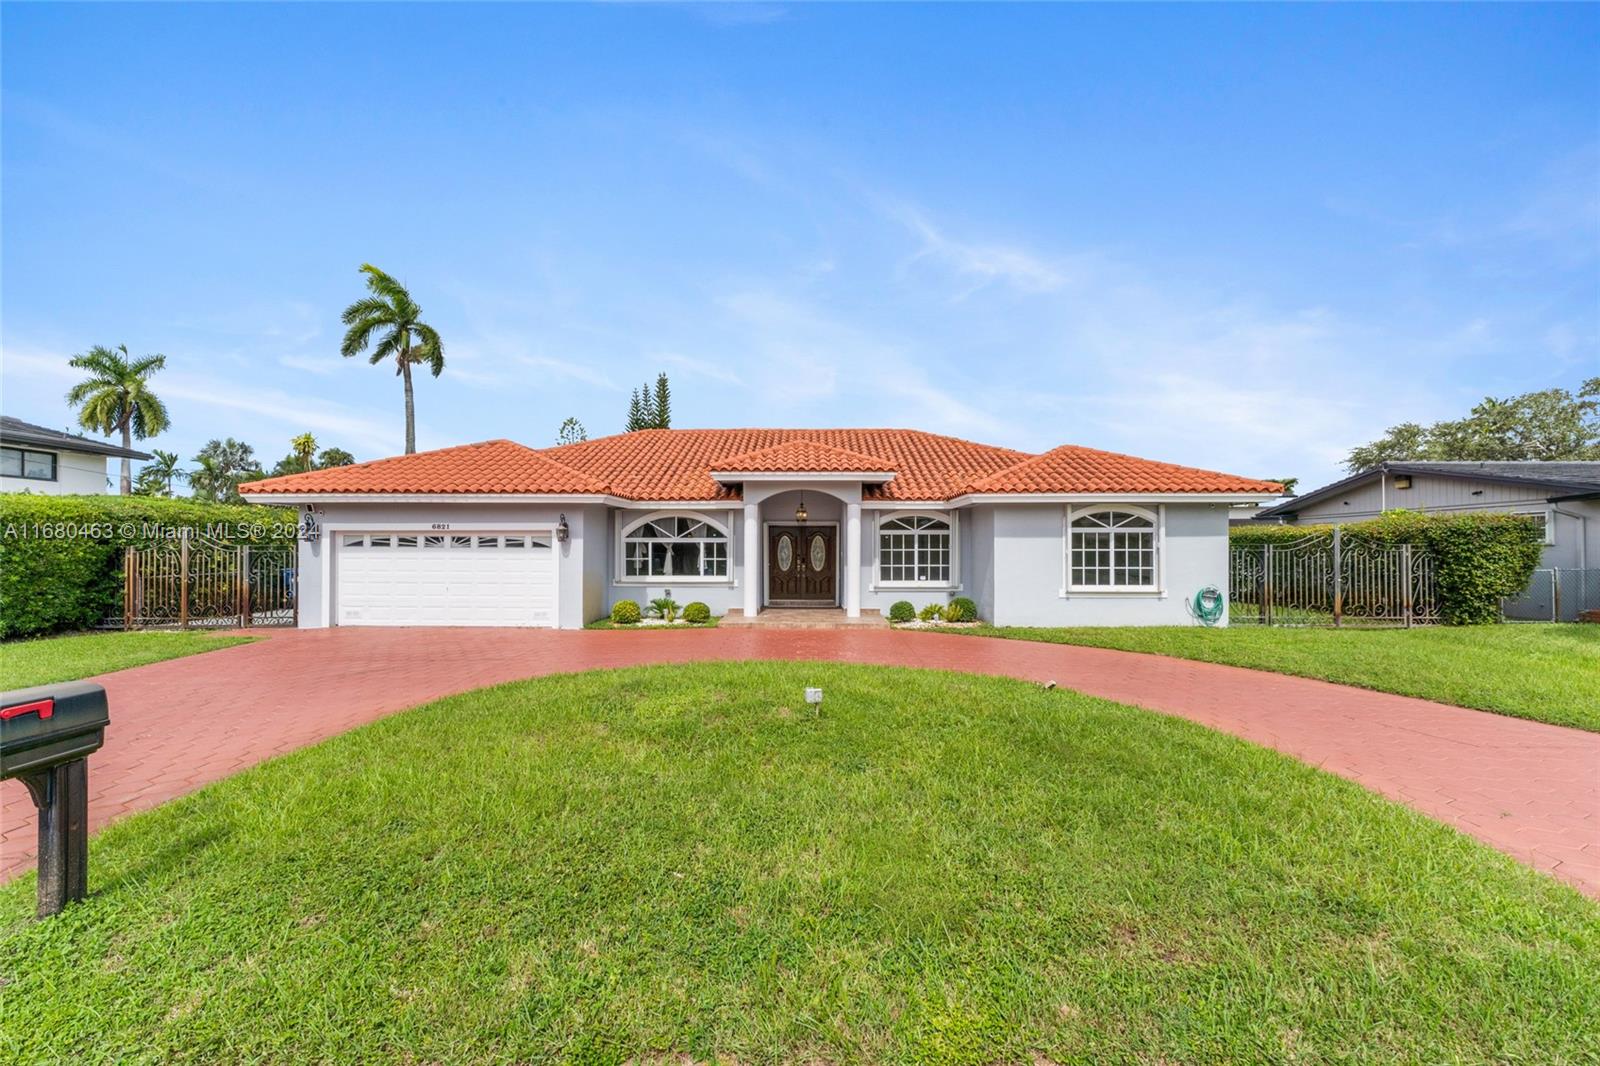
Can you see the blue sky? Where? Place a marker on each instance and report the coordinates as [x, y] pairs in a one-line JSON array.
[[1245, 238]]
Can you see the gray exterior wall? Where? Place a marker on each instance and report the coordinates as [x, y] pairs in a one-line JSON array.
[[1573, 527], [1011, 558], [1030, 569]]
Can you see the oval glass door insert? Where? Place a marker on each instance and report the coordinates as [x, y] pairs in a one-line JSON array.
[[785, 553], [819, 552]]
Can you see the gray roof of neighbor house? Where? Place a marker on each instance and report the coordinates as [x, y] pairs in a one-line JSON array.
[[1565, 480], [16, 431]]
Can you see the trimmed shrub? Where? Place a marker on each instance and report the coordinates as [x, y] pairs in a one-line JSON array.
[[625, 613], [665, 608], [61, 556], [966, 609], [1478, 558], [696, 613], [931, 613], [902, 611]]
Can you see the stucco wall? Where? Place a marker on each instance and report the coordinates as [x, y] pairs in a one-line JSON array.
[[77, 474], [719, 595], [1029, 569]]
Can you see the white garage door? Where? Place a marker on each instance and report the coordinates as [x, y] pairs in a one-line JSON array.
[[451, 579]]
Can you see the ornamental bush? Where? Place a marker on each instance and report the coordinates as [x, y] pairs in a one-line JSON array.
[[61, 556], [1478, 558], [625, 613], [931, 612], [902, 611], [966, 609], [696, 613]]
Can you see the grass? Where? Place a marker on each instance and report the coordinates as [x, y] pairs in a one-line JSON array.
[[1546, 672], [684, 860], [50, 659]]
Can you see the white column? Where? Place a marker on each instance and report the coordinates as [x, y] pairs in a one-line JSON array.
[[752, 560], [852, 570]]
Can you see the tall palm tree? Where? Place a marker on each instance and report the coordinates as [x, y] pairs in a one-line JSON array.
[[305, 449], [116, 397], [391, 322]]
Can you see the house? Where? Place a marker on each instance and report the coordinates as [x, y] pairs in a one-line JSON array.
[[36, 459], [753, 519], [1563, 497]]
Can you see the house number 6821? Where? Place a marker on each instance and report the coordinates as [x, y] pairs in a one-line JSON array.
[[441, 525]]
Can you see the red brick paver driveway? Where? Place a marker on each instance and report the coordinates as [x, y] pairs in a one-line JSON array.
[[1529, 789]]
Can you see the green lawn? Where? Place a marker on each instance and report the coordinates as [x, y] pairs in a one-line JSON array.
[[1550, 673], [684, 860], [51, 659]]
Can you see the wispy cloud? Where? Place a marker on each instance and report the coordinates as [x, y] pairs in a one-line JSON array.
[[573, 371], [981, 263]]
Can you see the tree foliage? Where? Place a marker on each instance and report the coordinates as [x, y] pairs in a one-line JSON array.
[[1551, 424], [571, 432], [116, 398], [296, 461], [389, 323], [159, 475], [650, 407], [221, 466]]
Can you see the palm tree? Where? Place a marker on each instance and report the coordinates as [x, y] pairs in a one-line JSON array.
[[392, 318], [305, 449], [163, 469], [116, 397], [222, 465]]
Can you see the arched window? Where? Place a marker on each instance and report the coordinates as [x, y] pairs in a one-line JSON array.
[[1112, 548], [914, 549], [675, 546]]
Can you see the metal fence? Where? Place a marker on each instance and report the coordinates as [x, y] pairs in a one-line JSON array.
[[1331, 579], [198, 582], [1555, 595]]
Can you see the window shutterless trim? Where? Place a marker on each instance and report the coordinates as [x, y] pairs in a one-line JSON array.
[[627, 525], [1158, 530], [951, 519]]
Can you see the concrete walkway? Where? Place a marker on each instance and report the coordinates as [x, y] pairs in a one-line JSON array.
[[1529, 789]]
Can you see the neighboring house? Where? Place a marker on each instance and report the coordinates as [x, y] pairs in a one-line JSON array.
[[746, 519], [1563, 496], [36, 459]]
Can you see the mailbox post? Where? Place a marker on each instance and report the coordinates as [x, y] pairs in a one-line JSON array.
[[46, 736]]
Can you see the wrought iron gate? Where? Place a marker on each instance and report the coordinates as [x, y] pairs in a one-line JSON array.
[[1331, 579], [200, 582]]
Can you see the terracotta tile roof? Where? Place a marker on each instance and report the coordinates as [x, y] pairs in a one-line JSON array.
[[1071, 468], [492, 466], [802, 456], [676, 464]]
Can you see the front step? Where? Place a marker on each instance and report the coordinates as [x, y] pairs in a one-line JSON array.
[[805, 618]]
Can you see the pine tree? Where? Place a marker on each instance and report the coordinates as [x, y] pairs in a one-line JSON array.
[[635, 413], [663, 404], [572, 431]]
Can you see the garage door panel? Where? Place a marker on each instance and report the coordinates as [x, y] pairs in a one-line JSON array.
[[501, 579]]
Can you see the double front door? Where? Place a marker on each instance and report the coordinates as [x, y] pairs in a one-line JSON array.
[[802, 565]]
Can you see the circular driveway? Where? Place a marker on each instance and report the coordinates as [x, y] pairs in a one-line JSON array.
[[1529, 789]]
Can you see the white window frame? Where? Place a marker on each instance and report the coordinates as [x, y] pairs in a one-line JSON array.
[[628, 523], [1158, 517], [1548, 514], [952, 518]]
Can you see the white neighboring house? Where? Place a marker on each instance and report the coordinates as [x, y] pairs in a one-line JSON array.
[[752, 520], [36, 459]]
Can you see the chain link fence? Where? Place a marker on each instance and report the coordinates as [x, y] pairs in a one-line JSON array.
[[1555, 595]]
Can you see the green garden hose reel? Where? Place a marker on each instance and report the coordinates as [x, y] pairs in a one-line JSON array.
[[1208, 606]]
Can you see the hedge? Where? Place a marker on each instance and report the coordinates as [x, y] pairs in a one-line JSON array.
[[61, 556], [1478, 558]]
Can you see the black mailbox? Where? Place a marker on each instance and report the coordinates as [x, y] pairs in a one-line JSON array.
[[46, 735]]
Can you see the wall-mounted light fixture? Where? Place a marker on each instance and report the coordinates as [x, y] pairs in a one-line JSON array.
[[800, 512], [1402, 481], [562, 532]]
